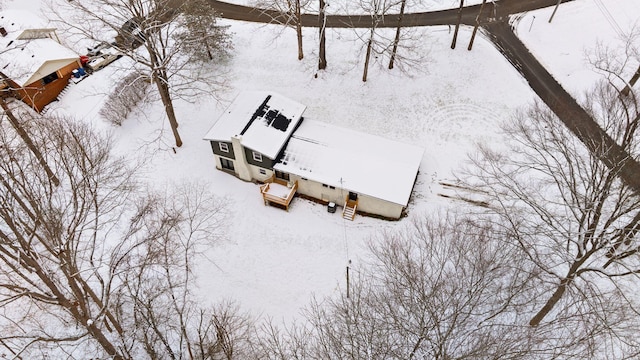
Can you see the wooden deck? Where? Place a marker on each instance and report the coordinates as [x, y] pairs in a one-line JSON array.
[[276, 191]]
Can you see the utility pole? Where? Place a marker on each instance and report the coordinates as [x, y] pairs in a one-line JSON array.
[[348, 281], [455, 32], [554, 11], [475, 28]]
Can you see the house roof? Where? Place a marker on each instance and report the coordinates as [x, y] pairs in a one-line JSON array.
[[355, 161], [262, 119], [24, 56]]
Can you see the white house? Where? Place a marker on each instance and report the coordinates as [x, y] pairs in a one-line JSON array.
[[263, 137]]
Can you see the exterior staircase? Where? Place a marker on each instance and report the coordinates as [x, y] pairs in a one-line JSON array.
[[349, 209]]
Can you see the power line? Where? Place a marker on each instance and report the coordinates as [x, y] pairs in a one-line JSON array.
[[610, 19]]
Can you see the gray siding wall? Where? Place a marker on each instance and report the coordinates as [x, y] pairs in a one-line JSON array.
[[266, 163], [216, 149]]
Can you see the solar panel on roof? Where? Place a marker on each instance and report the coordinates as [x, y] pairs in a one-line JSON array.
[[281, 122], [270, 116]]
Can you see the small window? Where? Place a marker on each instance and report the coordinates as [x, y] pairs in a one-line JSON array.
[[224, 147], [50, 78], [282, 175], [263, 172], [331, 187], [257, 156], [325, 185]]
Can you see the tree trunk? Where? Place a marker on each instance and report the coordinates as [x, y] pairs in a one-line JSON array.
[[475, 28], [455, 32], [74, 310], [631, 83], [367, 57], [551, 303], [27, 140], [299, 29], [554, 11], [163, 89], [322, 62], [397, 38]]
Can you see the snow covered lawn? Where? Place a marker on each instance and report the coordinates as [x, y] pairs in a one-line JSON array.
[[272, 261]]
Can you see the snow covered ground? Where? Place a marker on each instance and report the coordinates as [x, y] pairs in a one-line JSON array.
[[272, 261], [578, 28]]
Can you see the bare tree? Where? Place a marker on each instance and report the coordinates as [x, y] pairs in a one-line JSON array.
[[289, 14], [155, 26], [475, 27], [376, 9], [457, 28], [438, 289], [17, 125], [95, 265], [570, 214], [155, 301], [50, 246], [618, 58], [396, 40], [290, 342], [380, 44], [322, 28]]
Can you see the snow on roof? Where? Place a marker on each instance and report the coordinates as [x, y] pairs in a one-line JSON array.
[[26, 60], [263, 120], [18, 20], [355, 161]]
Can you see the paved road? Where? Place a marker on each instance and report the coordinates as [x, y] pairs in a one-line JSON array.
[[498, 10], [575, 118], [494, 19]]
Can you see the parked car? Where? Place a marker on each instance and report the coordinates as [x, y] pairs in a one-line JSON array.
[[95, 50], [103, 57], [130, 34]]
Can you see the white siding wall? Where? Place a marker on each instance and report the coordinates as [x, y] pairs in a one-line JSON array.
[[256, 175], [366, 203], [376, 206], [240, 163]]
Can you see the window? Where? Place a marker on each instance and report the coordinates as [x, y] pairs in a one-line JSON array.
[[263, 172], [257, 156], [331, 187], [227, 164], [282, 175], [325, 185], [50, 78], [224, 147]]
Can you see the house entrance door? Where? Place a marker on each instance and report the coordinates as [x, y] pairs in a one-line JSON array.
[[353, 196], [226, 164]]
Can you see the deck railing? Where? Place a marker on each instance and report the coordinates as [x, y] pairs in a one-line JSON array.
[[270, 198]]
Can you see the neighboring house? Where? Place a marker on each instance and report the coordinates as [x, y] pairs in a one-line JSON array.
[[33, 64], [263, 137]]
